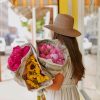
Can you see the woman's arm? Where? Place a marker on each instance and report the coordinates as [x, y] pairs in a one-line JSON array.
[[57, 82]]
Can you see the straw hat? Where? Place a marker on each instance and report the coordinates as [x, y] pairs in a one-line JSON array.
[[63, 25]]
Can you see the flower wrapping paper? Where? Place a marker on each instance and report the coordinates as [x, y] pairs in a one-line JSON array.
[[50, 54], [16, 56]]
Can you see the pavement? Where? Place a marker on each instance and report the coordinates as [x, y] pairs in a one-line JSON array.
[[10, 90], [89, 82]]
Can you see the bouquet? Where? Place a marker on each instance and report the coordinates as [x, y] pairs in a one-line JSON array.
[[51, 51], [33, 75], [27, 71], [52, 55], [16, 56]]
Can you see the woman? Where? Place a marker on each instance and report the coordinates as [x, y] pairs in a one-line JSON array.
[[64, 85]]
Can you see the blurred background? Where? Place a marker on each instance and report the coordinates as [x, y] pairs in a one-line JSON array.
[[22, 21]]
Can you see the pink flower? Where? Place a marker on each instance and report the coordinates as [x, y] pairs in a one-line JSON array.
[[15, 58], [10, 62], [54, 56], [42, 47], [16, 66], [16, 50], [48, 56], [42, 55], [49, 47], [25, 50], [48, 51]]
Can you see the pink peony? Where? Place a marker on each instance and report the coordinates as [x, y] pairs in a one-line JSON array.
[[48, 51], [49, 47], [43, 55], [15, 58], [48, 56], [25, 50], [54, 56], [17, 50], [42, 47], [10, 62]]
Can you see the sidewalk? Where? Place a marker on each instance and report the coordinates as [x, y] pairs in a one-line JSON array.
[[89, 82], [10, 90]]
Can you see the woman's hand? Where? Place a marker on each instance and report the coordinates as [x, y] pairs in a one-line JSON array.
[[57, 82]]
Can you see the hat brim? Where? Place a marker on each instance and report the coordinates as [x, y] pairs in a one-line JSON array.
[[67, 32]]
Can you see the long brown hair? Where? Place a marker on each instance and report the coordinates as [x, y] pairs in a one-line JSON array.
[[75, 54]]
